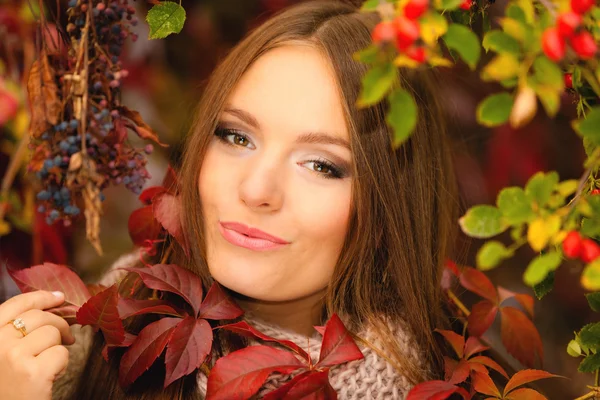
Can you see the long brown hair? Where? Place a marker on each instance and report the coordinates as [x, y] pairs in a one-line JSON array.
[[404, 201]]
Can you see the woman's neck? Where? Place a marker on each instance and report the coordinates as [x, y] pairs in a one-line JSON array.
[[298, 315]]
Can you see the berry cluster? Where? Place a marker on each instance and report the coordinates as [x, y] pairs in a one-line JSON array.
[[99, 131], [570, 30], [575, 246]]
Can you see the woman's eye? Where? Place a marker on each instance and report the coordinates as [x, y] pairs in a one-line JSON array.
[[232, 137], [326, 169]]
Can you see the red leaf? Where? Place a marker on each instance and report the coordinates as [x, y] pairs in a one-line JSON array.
[[95, 288], [482, 383], [525, 376], [148, 194], [150, 343], [525, 394], [313, 386], [128, 341], [481, 318], [478, 367], [170, 180], [456, 341], [478, 283], [101, 311], [167, 211], [143, 226], [52, 277], [449, 367], [432, 390], [141, 128], [488, 362], [338, 346], [320, 329], [451, 266], [240, 374], [525, 300], [129, 307], [473, 346], [243, 328], [282, 391], [175, 279], [68, 313], [520, 337], [460, 373], [217, 305], [187, 349]]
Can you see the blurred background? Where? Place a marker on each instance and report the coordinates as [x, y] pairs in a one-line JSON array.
[[164, 83]]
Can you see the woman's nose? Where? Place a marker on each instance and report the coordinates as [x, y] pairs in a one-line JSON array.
[[260, 187]]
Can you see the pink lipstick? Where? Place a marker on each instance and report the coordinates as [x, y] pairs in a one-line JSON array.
[[249, 238]]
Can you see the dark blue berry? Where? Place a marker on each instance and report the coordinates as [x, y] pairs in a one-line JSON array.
[[43, 195]]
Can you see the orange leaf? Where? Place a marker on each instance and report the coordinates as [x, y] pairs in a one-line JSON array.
[[482, 383], [432, 390], [525, 394], [481, 318], [456, 341], [449, 367], [520, 337], [141, 128], [525, 300], [488, 362], [473, 346], [478, 283], [525, 376], [460, 373]]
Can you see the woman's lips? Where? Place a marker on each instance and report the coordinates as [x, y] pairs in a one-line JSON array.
[[252, 243]]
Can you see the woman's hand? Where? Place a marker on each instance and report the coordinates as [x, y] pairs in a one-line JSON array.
[[29, 364]]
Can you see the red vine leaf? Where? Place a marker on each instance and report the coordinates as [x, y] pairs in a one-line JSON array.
[[313, 386], [167, 211], [129, 307], [95, 288], [141, 128], [432, 390], [240, 374], [101, 311], [449, 366], [460, 373], [525, 394], [520, 337], [478, 283], [217, 305], [170, 180], [150, 343], [187, 349], [143, 226], [482, 383], [128, 341], [482, 317], [525, 376], [525, 300], [175, 279], [320, 329], [488, 362], [148, 194], [338, 346], [282, 391], [243, 328], [473, 345], [456, 341]]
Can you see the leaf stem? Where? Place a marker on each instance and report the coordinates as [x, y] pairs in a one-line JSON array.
[[596, 378], [591, 79], [458, 303], [587, 396]]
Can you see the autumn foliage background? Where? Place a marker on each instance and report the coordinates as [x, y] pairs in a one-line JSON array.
[[163, 85]]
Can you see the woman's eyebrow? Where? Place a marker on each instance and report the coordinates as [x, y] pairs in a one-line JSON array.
[[309, 137]]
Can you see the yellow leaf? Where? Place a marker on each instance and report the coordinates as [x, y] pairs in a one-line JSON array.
[[513, 28], [528, 9], [502, 67], [568, 187], [590, 278], [524, 108], [403, 61], [433, 25], [541, 230], [437, 61], [559, 237], [4, 228], [21, 123]]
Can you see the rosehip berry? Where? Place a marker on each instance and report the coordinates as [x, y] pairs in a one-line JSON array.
[[572, 244], [383, 32], [466, 5], [553, 44], [581, 6], [407, 31], [417, 54], [567, 23], [415, 8], [589, 250], [595, 192], [584, 45], [569, 81], [100, 6]]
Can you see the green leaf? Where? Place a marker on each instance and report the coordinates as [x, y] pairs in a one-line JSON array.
[[369, 5], [482, 221], [574, 349], [504, 66], [491, 254], [590, 278], [433, 25], [494, 110], [540, 186], [589, 127], [464, 42], [368, 55], [402, 116], [528, 10], [568, 187], [514, 11], [590, 364], [593, 300], [548, 73], [448, 4], [515, 205], [376, 83], [539, 267], [545, 286], [590, 227], [165, 18], [549, 97], [589, 336], [500, 42]]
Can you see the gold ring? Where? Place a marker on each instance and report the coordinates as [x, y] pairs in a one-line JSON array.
[[19, 324]]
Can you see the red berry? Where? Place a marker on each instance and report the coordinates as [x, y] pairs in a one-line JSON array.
[[584, 45], [553, 44], [569, 81], [581, 6], [407, 31], [466, 5], [415, 8], [595, 192], [572, 244], [567, 23], [417, 54], [383, 32], [589, 250]]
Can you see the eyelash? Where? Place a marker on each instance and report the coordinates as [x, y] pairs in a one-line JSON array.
[[336, 172]]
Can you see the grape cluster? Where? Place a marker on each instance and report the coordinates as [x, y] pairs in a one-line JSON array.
[[106, 123]]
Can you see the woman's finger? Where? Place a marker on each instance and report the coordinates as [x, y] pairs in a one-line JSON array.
[[53, 360], [39, 340], [33, 320], [40, 299]]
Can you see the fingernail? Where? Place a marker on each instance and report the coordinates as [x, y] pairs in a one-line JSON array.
[[58, 294]]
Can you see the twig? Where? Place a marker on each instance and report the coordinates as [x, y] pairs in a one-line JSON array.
[[458, 303], [587, 396], [550, 7], [13, 168]]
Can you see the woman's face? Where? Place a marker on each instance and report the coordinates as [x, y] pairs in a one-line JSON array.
[[279, 162]]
